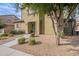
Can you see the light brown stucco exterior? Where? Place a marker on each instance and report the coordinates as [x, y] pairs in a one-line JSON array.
[[48, 29], [21, 26]]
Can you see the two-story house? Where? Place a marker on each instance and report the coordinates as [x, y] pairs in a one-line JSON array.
[[39, 24]]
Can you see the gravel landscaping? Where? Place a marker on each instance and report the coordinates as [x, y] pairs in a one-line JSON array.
[[46, 46]]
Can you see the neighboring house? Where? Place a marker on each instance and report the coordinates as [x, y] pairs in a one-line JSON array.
[[77, 26], [19, 25], [70, 27], [76, 17], [9, 21]]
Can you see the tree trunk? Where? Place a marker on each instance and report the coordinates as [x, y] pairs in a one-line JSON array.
[[59, 34], [57, 29], [56, 33]]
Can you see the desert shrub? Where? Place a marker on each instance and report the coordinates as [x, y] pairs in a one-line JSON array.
[[2, 25], [21, 40], [13, 32], [20, 32], [17, 32], [4, 34], [32, 41]]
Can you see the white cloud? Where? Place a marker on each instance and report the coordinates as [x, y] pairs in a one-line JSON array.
[[8, 9]]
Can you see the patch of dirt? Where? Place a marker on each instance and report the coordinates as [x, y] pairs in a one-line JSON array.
[[48, 47]]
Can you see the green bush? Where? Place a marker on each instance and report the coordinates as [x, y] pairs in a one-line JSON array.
[[2, 25], [21, 40], [17, 32], [32, 41], [4, 34], [20, 32], [13, 32]]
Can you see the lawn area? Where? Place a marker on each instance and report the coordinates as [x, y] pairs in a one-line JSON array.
[[47, 46]]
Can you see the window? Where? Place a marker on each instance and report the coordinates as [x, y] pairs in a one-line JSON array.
[[17, 26]]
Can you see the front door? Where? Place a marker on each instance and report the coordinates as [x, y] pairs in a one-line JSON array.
[[31, 27]]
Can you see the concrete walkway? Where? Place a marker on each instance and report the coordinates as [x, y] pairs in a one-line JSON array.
[[5, 49], [11, 43], [14, 42]]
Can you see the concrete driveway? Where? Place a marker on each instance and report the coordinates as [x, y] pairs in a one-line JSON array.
[[6, 51]]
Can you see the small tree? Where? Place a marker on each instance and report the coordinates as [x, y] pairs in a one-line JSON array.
[[56, 13]]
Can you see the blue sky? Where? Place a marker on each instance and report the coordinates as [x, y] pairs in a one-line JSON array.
[[9, 9]]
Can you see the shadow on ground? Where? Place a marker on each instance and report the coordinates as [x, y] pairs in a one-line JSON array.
[[71, 40]]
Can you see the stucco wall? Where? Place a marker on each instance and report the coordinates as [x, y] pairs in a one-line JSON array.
[[20, 26], [35, 18], [48, 26], [30, 18]]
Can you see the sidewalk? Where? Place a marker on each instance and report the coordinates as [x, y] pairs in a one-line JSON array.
[[6, 51], [14, 42]]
